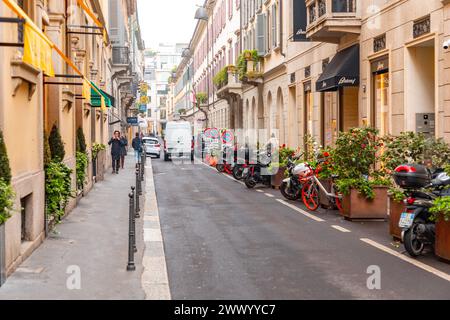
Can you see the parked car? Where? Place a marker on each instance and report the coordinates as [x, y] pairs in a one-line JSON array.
[[178, 140], [152, 146]]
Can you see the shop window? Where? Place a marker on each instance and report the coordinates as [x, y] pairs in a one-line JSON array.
[[330, 107], [381, 103]]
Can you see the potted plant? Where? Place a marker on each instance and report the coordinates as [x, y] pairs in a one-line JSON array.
[[221, 78], [279, 168], [441, 214], [201, 98], [6, 191], [363, 186], [412, 148], [98, 159]]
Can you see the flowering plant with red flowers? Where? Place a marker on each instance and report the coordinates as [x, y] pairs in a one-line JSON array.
[[354, 161]]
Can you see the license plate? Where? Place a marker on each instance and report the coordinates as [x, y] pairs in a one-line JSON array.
[[406, 220]]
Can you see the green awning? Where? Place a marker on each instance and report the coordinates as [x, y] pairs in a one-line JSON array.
[[96, 100]]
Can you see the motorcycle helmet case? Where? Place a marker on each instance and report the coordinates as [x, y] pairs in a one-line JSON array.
[[412, 176]]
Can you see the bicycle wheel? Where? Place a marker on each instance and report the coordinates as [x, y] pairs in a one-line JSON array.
[[337, 200], [310, 196]]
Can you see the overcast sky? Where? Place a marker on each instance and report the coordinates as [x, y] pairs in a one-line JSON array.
[[167, 20]]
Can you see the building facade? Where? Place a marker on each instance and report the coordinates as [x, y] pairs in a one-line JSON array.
[[160, 63], [33, 102]]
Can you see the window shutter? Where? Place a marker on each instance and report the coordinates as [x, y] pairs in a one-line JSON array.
[[274, 26], [261, 34]]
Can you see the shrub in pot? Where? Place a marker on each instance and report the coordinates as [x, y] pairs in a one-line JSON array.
[[6, 192], [283, 154], [441, 214], [412, 148], [363, 186]]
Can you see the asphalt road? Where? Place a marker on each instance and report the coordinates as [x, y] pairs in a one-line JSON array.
[[223, 241]]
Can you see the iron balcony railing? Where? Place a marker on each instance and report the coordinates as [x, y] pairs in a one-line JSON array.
[[320, 8], [121, 56]]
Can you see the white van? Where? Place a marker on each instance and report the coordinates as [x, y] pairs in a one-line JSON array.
[[178, 140]]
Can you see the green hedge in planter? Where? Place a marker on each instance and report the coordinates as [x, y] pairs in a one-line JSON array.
[[96, 148], [58, 189], [6, 201], [56, 144], [81, 141], [81, 167], [6, 191], [441, 208], [5, 169]]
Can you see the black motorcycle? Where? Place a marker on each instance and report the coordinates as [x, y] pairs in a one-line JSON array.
[[422, 188], [291, 187], [257, 173]]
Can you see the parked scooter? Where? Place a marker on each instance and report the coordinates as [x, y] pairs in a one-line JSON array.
[[418, 227], [240, 170], [256, 172], [224, 166], [291, 187]]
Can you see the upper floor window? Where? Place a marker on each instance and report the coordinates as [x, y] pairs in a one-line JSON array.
[[344, 5]]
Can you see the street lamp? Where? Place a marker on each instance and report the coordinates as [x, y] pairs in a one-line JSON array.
[[202, 14]]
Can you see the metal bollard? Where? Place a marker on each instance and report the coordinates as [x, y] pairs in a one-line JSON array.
[[137, 207], [143, 159], [131, 266], [138, 183]]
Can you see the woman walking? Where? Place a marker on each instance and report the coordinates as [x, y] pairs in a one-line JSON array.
[[123, 151]]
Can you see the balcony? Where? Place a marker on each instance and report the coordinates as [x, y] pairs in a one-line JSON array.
[[228, 84], [330, 20], [120, 56]]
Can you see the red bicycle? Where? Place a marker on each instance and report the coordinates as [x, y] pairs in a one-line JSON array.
[[312, 188]]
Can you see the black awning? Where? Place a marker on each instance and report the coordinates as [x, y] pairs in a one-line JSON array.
[[342, 71]]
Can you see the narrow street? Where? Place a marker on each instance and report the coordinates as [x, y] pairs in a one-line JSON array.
[[223, 241]]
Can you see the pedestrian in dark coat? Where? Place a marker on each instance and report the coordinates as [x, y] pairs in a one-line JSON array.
[[137, 146], [116, 147], [123, 151]]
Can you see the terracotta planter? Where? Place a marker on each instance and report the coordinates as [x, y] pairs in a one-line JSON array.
[[323, 199], [395, 211], [356, 206], [442, 245], [277, 178], [2, 255], [100, 167]]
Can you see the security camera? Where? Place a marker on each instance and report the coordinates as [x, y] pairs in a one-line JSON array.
[[446, 44]]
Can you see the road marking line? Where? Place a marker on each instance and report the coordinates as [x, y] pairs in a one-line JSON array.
[[269, 195], [341, 229], [403, 257], [259, 190], [303, 212]]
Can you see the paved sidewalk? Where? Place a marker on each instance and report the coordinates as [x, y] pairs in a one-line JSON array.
[[95, 238]]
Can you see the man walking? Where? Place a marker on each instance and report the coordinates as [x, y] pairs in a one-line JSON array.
[[116, 147], [137, 146]]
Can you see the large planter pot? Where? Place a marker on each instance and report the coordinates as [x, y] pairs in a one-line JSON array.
[[100, 167], [323, 199], [2, 255], [278, 177], [356, 206], [442, 245], [395, 211]]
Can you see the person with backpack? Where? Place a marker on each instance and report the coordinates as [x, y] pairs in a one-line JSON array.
[[137, 146]]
